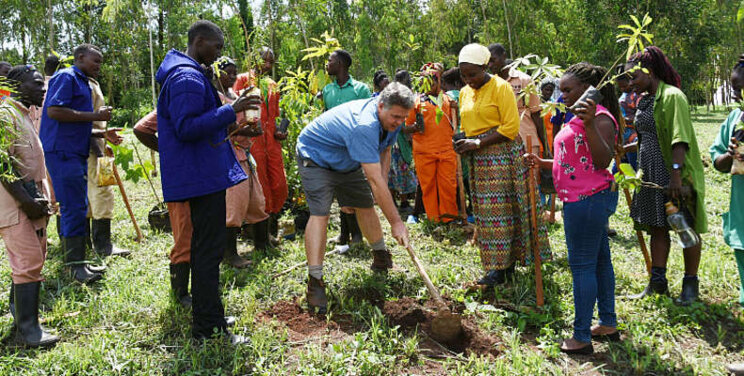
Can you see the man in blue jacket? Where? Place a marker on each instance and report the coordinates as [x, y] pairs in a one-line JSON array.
[[198, 165], [65, 132]]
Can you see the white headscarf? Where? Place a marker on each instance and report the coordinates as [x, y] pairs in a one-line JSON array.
[[474, 53]]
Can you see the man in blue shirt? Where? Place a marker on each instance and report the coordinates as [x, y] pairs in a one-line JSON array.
[[346, 153], [65, 132], [198, 165]]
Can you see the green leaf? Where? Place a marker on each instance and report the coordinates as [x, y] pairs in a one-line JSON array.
[[627, 169]]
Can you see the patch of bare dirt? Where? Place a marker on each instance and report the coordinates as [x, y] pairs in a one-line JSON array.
[[410, 314]]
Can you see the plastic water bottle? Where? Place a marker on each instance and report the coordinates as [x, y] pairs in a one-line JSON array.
[[686, 236]]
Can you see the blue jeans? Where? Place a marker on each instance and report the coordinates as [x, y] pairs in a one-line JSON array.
[[585, 223], [69, 173]]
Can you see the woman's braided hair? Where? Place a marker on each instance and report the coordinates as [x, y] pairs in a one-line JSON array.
[[654, 60], [592, 75]]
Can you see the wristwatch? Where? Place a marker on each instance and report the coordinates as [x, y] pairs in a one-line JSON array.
[[477, 143], [676, 166]]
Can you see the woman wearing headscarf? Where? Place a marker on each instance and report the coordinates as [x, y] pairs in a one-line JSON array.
[[490, 120]]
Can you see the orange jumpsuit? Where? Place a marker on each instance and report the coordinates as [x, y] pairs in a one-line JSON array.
[[435, 159], [267, 150]]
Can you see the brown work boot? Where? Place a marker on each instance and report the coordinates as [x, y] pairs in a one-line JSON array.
[[382, 260], [316, 295]]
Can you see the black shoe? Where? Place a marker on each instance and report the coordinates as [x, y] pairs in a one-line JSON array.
[[690, 292], [316, 295], [382, 260], [496, 277], [653, 288], [231, 256], [30, 333], [261, 235], [74, 257], [179, 277], [101, 231]]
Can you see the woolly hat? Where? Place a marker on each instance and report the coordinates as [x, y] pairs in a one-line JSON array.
[[474, 53]]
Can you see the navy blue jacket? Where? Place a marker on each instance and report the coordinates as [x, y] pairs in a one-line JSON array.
[[191, 126], [67, 88]]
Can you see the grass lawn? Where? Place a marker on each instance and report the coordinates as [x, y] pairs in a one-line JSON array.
[[128, 325]]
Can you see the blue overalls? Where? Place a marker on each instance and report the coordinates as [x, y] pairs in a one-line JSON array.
[[66, 147]]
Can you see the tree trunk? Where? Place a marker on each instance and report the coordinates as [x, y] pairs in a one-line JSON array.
[[50, 22], [508, 29], [161, 26]]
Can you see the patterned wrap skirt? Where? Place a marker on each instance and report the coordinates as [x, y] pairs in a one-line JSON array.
[[501, 206], [401, 177]]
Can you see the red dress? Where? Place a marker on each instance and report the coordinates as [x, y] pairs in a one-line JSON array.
[[267, 150]]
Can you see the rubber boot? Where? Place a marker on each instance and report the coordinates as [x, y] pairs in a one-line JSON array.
[[74, 257], [690, 291], [653, 288], [261, 235], [231, 256], [354, 230], [88, 242], [739, 254], [274, 239], [59, 228], [316, 295], [343, 233], [496, 277], [179, 278], [11, 303], [30, 333], [382, 260], [102, 239]]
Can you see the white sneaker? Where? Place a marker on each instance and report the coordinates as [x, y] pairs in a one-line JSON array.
[[341, 249]]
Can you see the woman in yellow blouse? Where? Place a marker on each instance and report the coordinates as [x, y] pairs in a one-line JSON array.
[[489, 116]]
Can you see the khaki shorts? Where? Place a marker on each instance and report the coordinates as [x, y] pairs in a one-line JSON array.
[[322, 184]]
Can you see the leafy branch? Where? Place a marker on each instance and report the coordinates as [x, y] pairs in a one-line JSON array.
[[539, 71], [627, 178], [635, 36]]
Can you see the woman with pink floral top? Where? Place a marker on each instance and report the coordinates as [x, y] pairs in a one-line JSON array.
[[583, 150]]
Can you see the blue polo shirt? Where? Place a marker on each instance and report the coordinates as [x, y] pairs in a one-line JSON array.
[[343, 138], [67, 88]]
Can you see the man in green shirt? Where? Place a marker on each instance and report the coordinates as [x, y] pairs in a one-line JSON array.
[[344, 88]]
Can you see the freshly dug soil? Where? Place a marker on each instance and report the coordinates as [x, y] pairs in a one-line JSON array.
[[301, 324], [409, 313]]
